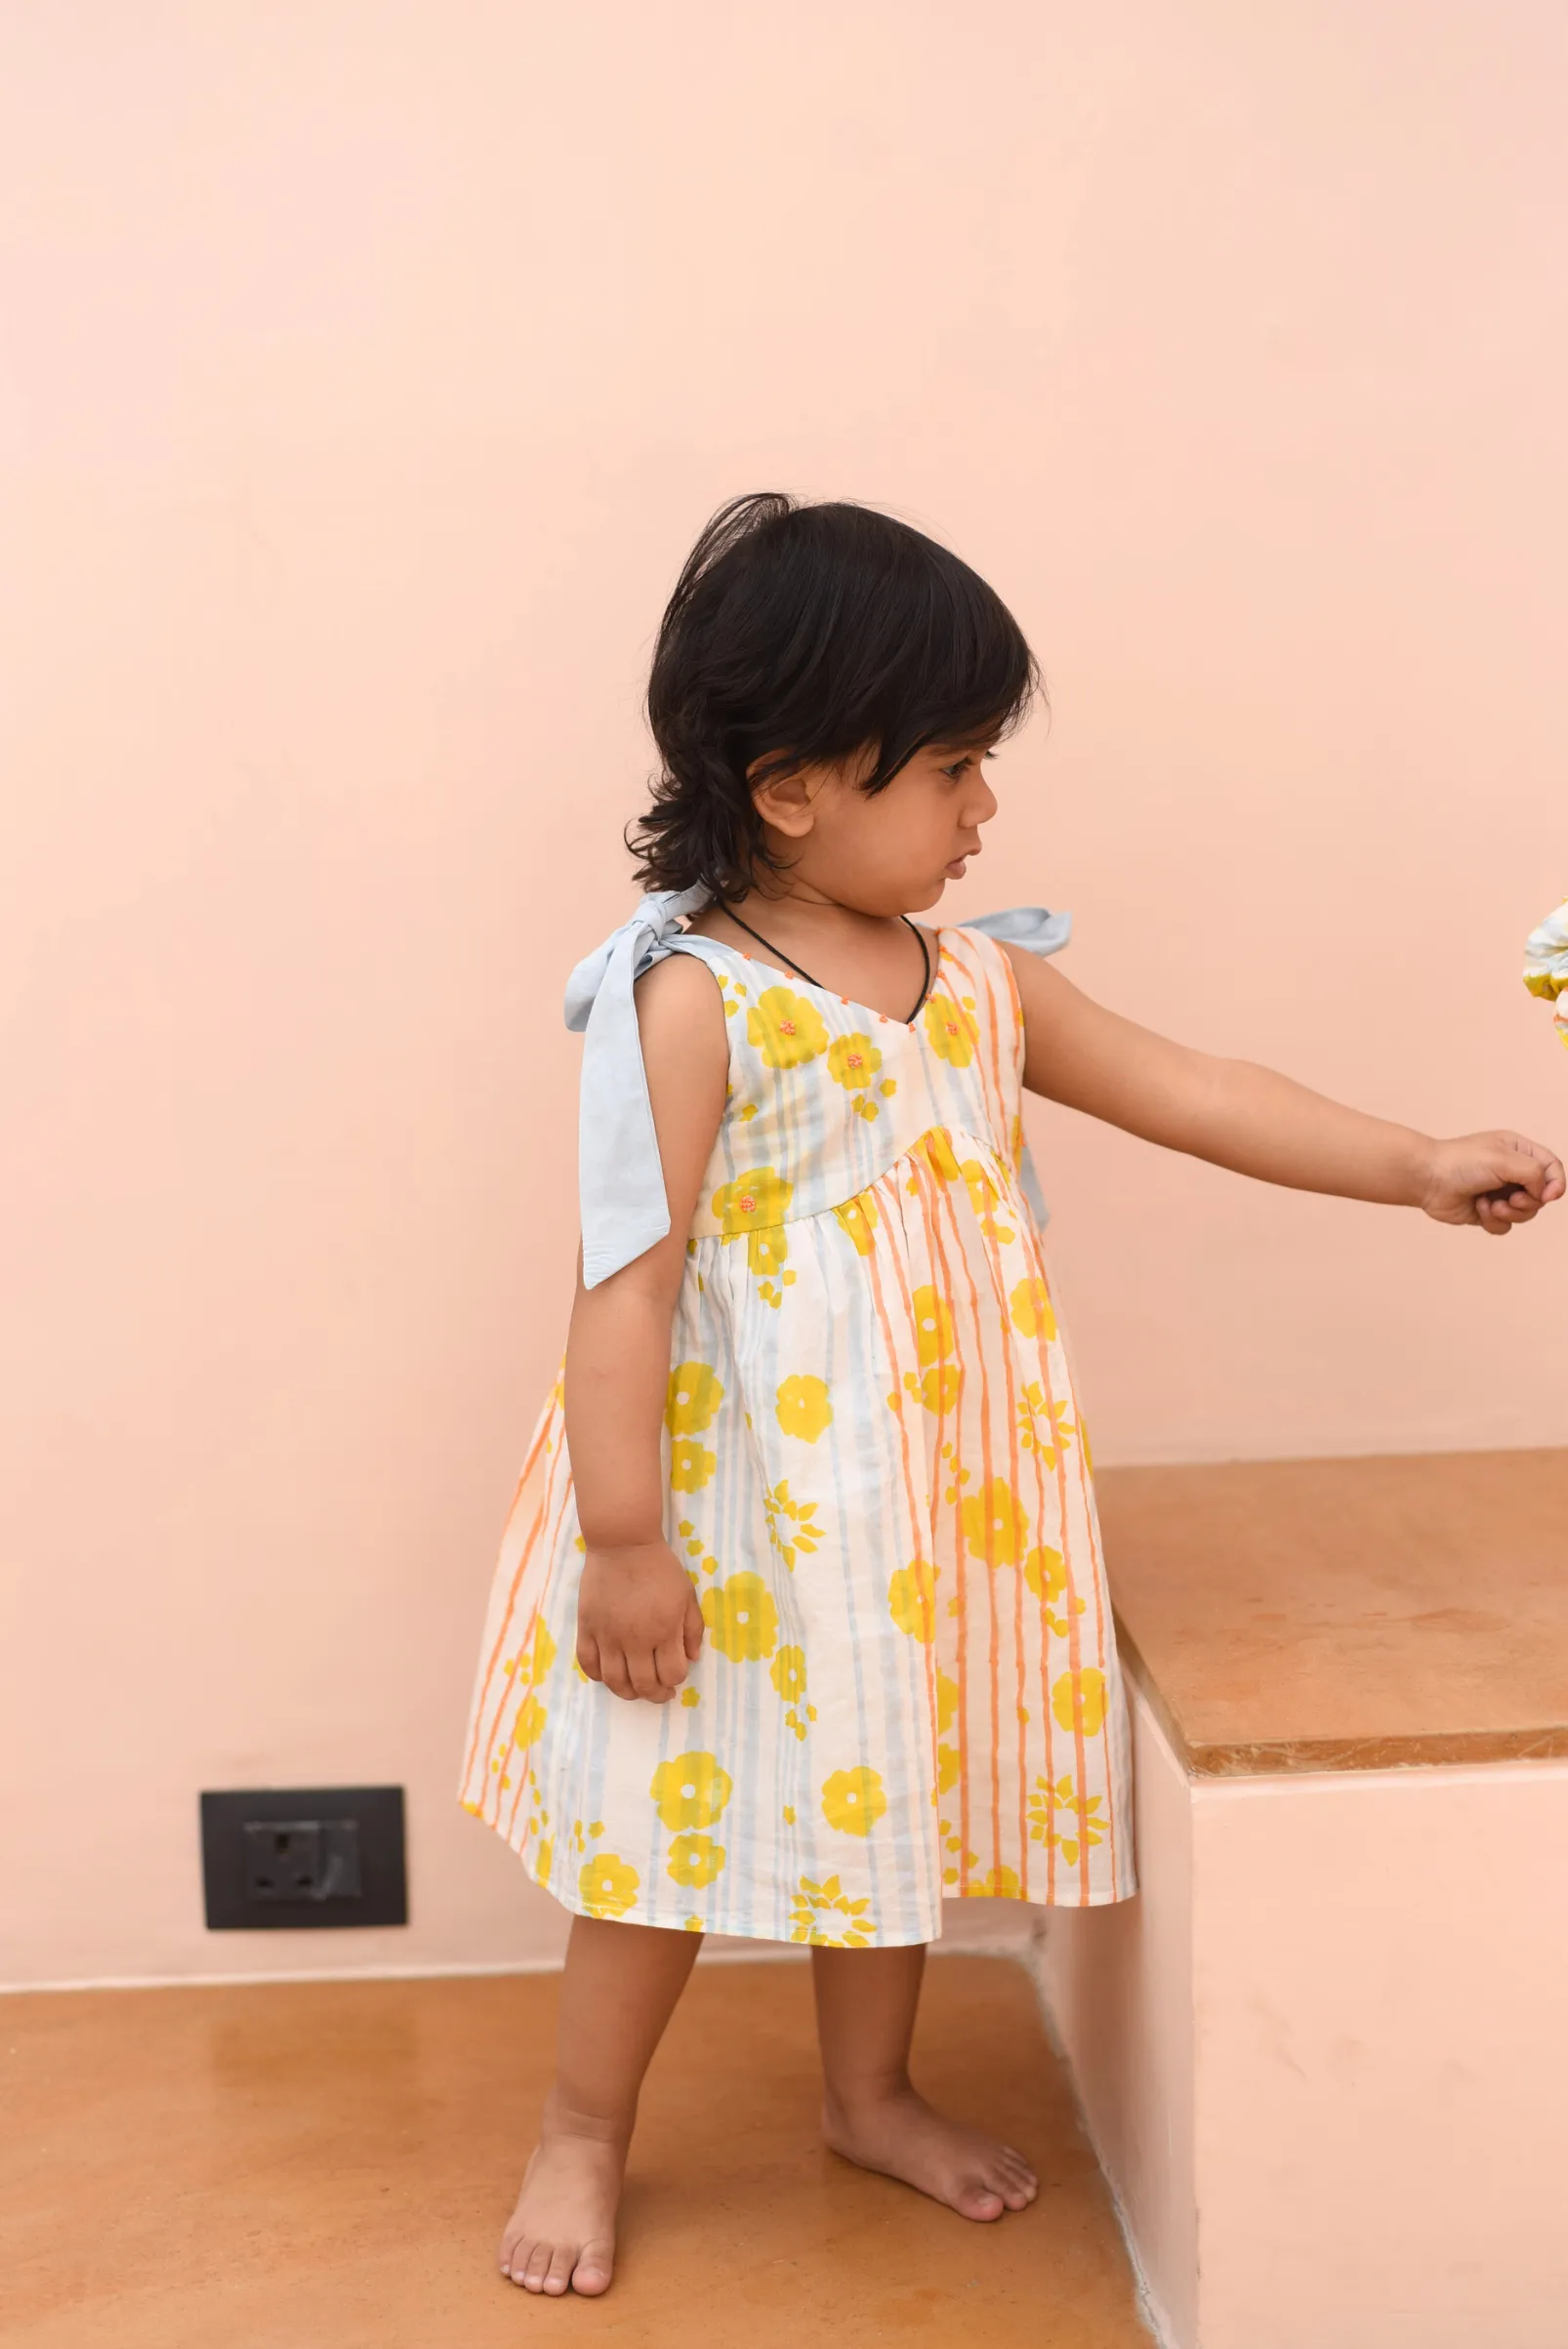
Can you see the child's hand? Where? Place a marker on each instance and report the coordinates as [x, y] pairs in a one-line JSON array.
[[1494, 1179], [639, 1624]]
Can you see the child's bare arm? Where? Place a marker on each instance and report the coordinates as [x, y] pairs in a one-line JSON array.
[[1259, 1122], [639, 1626]]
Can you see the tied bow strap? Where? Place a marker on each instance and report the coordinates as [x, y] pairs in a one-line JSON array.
[[620, 1180], [1027, 926]]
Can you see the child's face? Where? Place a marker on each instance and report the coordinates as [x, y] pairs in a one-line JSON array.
[[892, 852]]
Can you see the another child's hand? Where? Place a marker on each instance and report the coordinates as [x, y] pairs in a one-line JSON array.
[[639, 1624], [1494, 1179]]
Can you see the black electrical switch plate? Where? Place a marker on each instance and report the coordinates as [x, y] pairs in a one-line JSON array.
[[304, 1856]]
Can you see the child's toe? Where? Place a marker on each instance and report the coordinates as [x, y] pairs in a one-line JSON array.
[[557, 2275], [977, 2200], [595, 2263], [514, 2256], [536, 2268]]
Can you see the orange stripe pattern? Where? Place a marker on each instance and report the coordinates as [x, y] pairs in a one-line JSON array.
[[878, 1482]]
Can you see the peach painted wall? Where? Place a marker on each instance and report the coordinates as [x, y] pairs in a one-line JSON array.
[[364, 370]]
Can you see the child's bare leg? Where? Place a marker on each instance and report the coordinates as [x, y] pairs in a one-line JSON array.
[[618, 1992], [871, 2114]]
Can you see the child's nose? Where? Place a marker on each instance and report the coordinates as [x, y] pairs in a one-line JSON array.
[[985, 805]]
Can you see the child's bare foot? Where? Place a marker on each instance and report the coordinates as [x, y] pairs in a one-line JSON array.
[[900, 2135], [562, 2236]]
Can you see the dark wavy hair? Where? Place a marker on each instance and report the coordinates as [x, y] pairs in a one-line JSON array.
[[800, 634]]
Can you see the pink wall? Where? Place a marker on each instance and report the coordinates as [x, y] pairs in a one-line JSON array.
[[366, 369]]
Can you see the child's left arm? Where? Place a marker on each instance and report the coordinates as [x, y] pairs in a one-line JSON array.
[[1257, 1121]]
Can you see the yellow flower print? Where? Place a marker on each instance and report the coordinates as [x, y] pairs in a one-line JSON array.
[[935, 1152], [1043, 1424], [995, 1524], [859, 1217], [691, 1465], [541, 1867], [825, 1916], [948, 1694], [691, 1791], [786, 1029], [933, 1326], [912, 1600], [985, 1197], [1045, 1573], [1047, 1807], [950, 1030], [802, 1407], [949, 1768], [534, 1658], [1078, 1700], [529, 1726], [753, 1201], [937, 1388], [694, 1399], [1001, 1884], [742, 1618], [788, 1673], [695, 1859], [792, 1524], [853, 1800], [607, 1885], [1031, 1309], [765, 1251], [852, 1062]]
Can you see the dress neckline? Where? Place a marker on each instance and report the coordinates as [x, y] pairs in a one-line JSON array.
[[886, 1020]]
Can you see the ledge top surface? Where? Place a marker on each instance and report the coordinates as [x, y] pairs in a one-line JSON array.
[[1346, 1613]]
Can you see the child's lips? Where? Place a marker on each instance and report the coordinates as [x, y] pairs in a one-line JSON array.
[[955, 871]]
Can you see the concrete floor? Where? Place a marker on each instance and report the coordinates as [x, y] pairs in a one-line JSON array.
[[328, 2165]]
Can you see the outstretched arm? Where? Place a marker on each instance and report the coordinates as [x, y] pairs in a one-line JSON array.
[[639, 1626], [1257, 1121]]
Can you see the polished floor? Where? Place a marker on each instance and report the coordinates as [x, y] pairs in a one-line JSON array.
[[327, 2167]]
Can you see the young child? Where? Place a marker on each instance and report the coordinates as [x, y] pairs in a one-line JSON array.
[[800, 1621]]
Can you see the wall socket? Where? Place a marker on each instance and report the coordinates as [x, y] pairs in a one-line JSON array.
[[304, 1857]]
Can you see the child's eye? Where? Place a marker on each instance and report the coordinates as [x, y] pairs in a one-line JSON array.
[[958, 770]]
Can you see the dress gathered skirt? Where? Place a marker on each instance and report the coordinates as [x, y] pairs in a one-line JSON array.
[[879, 1482]]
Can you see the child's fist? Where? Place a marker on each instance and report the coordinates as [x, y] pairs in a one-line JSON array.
[[1494, 1179], [639, 1624]]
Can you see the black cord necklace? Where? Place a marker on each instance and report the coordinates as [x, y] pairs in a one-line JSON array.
[[778, 956]]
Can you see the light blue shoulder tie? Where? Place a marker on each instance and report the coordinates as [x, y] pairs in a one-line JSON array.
[[620, 1180]]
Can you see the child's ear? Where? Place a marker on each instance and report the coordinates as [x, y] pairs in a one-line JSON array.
[[785, 802]]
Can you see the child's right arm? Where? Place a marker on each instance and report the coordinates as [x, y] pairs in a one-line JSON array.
[[638, 1624]]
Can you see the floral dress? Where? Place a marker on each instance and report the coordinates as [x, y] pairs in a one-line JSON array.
[[879, 1484]]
